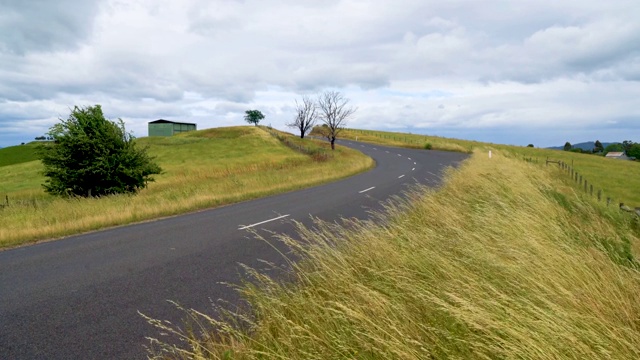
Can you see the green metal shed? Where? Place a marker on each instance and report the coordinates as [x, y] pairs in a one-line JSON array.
[[163, 127]]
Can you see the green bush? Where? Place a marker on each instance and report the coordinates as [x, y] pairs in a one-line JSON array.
[[93, 156], [428, 146]]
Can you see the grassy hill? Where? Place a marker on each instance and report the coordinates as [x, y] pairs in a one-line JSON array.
[[508, 260], [201, 169], [18, 154]]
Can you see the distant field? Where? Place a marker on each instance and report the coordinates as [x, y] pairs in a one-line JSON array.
[[618, 179], [18, 154], [201, 169]]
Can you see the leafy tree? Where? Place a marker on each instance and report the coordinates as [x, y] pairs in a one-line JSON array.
[[634, 151], [597, 147], [93, 156], [253, 117], [615, 147], [627, 145], [306, 115], [530, 145], [334, 112], [567, 146], [577, 150]]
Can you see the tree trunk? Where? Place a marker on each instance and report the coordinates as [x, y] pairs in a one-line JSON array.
[[333, 146], [301, 135]]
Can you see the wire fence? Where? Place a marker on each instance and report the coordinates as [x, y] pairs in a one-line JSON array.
[[316, 152], [587, 186]]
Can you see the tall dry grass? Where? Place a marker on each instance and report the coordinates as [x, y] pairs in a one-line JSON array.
[[505, 261]]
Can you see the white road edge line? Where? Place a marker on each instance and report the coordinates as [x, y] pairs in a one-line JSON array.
[[399, 155], [414, 163], [365, 190], [413, 169], [409, 158], [400, 177], [262, 222]]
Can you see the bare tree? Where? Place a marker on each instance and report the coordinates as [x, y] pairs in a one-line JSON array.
[[306, 115], [334, 112]]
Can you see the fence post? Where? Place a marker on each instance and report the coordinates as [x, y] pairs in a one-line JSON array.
[[591, 189], [599, 195], [608, 201], [585, 185]]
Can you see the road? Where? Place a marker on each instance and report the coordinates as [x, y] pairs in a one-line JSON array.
[[79, 297]]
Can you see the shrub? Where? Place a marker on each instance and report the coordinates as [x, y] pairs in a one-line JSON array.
[[93, 156]]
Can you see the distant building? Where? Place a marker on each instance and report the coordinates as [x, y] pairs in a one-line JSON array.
[[163, 127], [617, 155]]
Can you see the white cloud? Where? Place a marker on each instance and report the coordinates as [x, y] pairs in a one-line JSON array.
[[496, 70]]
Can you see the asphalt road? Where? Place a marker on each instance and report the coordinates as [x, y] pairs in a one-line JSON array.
[[79, 297]]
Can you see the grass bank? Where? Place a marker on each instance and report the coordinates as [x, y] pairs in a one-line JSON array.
[[201, 169], [414, 141], [504, 261]]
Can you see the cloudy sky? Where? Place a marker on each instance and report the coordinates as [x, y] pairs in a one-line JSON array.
[[503, 71]]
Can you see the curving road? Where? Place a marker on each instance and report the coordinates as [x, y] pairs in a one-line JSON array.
[[78, 298]]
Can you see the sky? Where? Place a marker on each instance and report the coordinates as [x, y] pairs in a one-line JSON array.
[[515, 72]]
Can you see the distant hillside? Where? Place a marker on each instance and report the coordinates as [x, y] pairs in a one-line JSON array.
[[18, 154], [588, 145]]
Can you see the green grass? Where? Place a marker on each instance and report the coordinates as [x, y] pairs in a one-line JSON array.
[[617, 179], [202, 169], [505, 261], [18, 154]]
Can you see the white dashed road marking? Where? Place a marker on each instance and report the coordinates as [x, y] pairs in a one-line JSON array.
[[413, 169], [400, 177], [365, 190], [262, 222]]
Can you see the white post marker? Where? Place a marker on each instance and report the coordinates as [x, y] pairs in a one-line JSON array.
[[489, 154]]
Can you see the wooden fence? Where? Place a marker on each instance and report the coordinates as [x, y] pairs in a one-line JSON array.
[[586, 186]]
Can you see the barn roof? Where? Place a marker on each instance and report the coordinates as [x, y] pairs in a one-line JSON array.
[[163, 121], [615, 154]]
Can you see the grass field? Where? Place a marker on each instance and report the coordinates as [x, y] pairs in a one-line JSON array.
[[18, 154], [505, 261], [617, 179], [201, 169]]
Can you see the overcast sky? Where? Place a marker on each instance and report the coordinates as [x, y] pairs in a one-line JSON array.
[[511, 71]]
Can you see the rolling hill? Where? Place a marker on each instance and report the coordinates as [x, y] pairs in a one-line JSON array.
[[18, 154]]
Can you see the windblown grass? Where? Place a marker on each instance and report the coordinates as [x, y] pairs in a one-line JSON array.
[[201, 170], [504, 262]]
